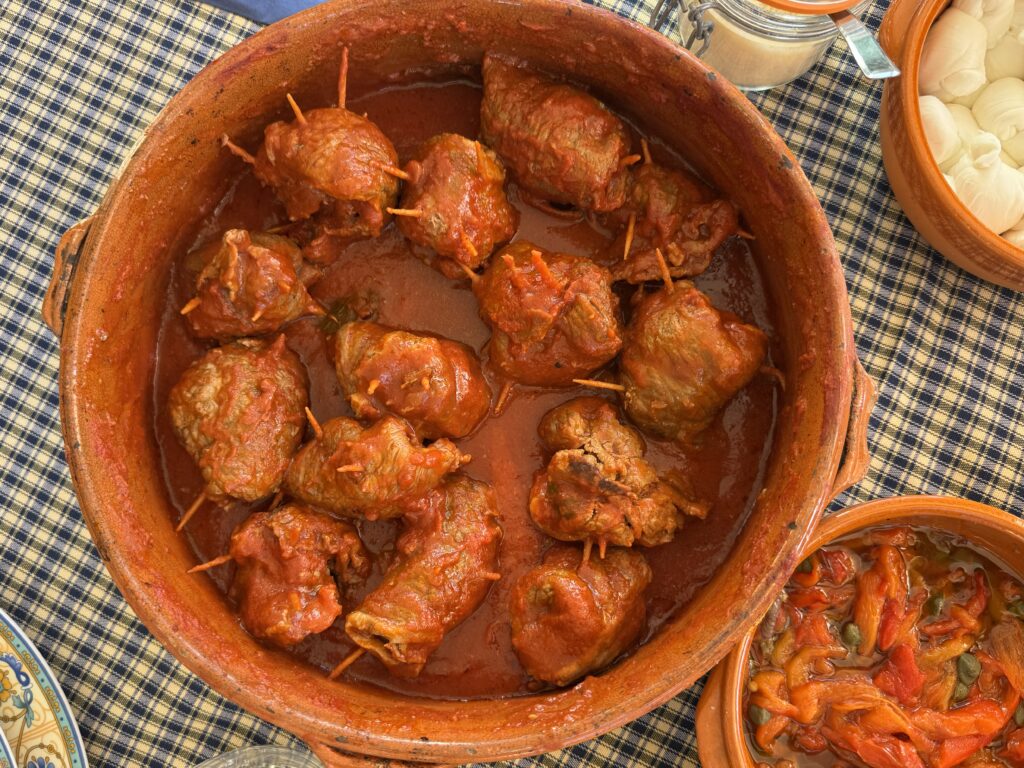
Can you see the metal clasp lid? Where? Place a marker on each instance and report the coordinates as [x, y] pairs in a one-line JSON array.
[[701, 27]]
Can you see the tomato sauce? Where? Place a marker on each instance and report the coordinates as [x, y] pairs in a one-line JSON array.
[[476, 659]]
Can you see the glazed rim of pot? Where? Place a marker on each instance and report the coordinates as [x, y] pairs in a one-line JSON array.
[[180, 170]]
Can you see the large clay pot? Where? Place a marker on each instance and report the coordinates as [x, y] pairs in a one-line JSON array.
[[721, 738], [111, 299]]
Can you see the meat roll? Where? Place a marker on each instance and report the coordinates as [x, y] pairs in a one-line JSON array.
[[368, 472], [561, 144], [597, 485], [683, 360], [287, 563], [436, 384], [447, 561], [456, 188], [553, 316], [331, 162], [570, 618], [240, 413], [249, 283], [677, 213]]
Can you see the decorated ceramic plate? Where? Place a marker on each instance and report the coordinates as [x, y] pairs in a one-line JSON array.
[[6, 753], [34, 715]]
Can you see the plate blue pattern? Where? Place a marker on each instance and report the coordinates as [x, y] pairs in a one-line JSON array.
[[39, 726]]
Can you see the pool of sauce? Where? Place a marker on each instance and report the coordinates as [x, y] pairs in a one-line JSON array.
[[476, 659]]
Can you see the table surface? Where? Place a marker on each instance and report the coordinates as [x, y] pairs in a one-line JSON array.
[[79, 81]]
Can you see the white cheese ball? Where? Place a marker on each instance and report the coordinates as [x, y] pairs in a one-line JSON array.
[[1015, 234], [966, 126], [970, 98], [1000, 108], [953, 59], [940, 130], [1006, 59], [991, 190], [995, 16]]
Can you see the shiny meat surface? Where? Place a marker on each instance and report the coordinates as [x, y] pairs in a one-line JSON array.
[[332, 162], [361, 472], [569, 619], [683, 360], [597, 486], [553, 316], [287, 563], [560, 144], [677, 213], [239, 412], [250, 283], [447, 561], [458, 186], [436, 384]]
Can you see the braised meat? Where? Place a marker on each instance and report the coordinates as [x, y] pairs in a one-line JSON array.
[[553, 316], [675, 212], [250, 283], [436, 384], [447, 561], [239, 412], [560, 144], [683, 360], [597, 486], [367, 472], [455, 197], [331, 162], [287, 563], [570, 618]]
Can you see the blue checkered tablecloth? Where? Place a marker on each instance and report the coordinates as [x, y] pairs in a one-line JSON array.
[[78, 83]]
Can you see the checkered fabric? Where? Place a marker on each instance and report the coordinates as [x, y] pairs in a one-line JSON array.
[[78, 83]]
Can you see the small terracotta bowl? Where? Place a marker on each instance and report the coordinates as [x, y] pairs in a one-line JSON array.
[[721, 737], [930, 204]]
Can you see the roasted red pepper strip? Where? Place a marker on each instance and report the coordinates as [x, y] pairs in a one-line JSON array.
[[875, 750], [900, 676]]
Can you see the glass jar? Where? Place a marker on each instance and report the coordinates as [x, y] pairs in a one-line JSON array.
[[755, 45]]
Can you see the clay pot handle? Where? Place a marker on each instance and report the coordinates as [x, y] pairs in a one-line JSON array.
[[856, 459], [332, 757], [892, 34], [65, 260]]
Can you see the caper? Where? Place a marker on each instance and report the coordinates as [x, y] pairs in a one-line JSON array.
[[960, 692], [758, 715], [805, 567], [935, 604], [1016, 609], [851, 635], [968, 668], [1018, 716]]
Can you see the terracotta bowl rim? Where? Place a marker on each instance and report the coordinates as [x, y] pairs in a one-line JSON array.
[[924, 17], [813, 493], [869, 514]]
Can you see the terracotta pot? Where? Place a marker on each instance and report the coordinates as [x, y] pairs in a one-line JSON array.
[[932, 207], [721, 739], [180, 171]]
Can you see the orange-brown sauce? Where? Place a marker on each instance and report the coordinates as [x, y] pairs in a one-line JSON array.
[[476, 659]]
